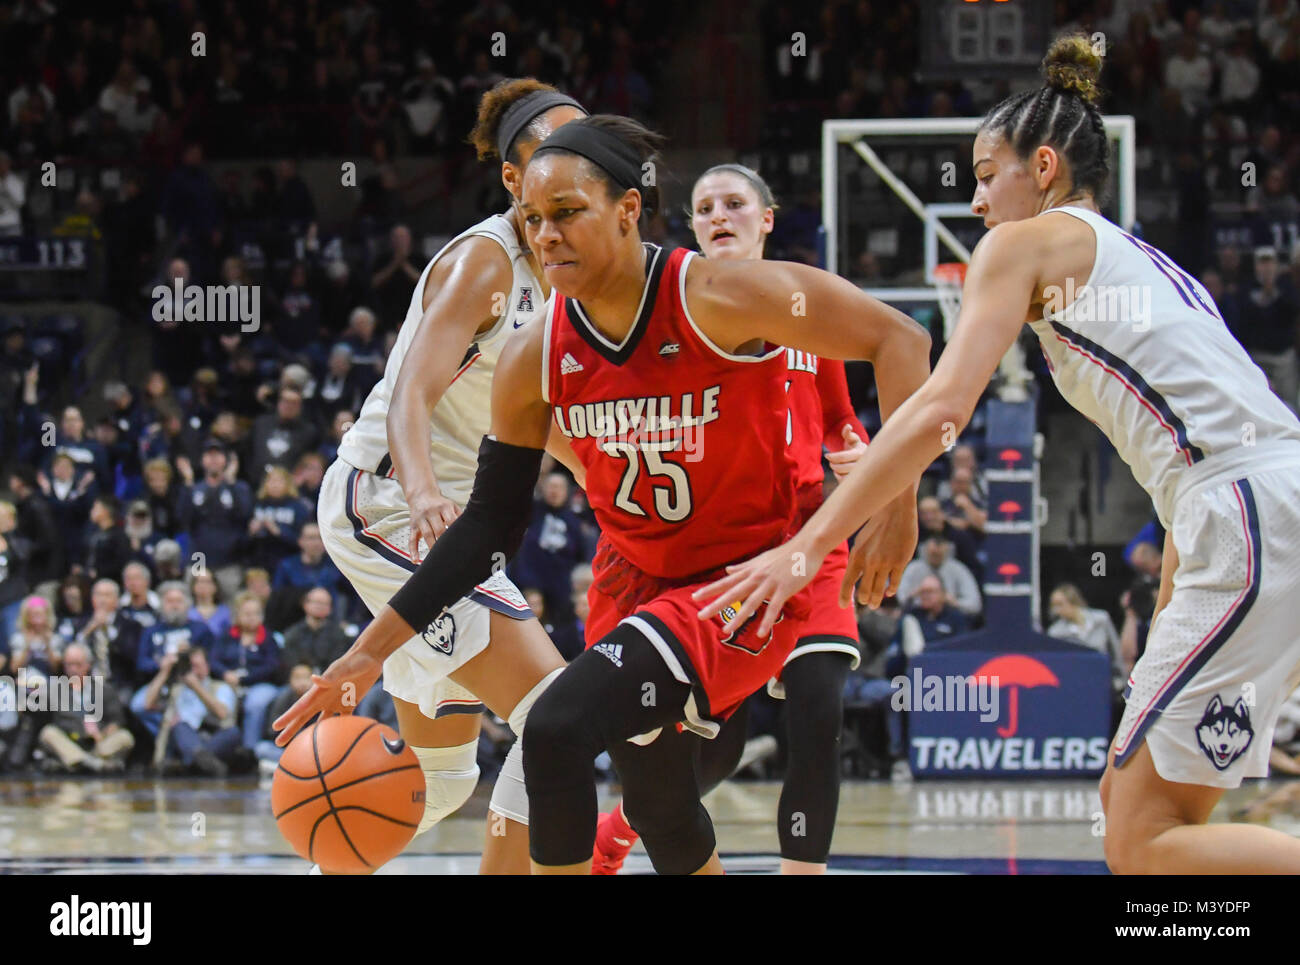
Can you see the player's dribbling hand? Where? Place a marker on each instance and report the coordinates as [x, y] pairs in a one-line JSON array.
[[336, 691], [772, 578], [431, 514], [881, 551], [842, 462]]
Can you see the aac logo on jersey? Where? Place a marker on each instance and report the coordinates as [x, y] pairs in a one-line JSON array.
[[441, 634], [525, 299], [1224, 732]]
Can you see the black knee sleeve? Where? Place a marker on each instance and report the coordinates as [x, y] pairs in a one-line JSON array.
[[594, 703], [719, 757], [814, 707], [661, 801]]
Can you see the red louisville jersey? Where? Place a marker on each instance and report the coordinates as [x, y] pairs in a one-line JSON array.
[[819, 410], [683, 444]]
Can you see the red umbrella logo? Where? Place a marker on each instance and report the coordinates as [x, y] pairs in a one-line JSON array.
[[1009, 571], [1009, 508], [1009, 456], [1011, 673]]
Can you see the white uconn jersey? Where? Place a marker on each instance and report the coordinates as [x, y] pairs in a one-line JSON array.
[[1142, 351], [460, 419]]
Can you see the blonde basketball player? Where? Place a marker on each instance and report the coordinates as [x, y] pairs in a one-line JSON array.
[[1218, 453], [405, 470]]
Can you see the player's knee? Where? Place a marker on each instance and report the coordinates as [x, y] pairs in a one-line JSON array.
[[560, 735], [450, 776], [679, 840], [814, 697]]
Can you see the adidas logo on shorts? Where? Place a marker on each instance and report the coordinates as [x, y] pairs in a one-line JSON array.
[[569, 365], [612, 650]]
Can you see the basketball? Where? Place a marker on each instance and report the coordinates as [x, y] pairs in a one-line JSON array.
[[348, 794]]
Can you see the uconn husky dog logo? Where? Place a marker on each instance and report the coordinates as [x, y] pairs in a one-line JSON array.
[[1224, 732], [441, 634]]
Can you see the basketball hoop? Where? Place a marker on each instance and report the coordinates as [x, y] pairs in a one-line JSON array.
[[948, 279]]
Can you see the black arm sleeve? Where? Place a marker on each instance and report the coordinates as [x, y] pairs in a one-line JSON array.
[[488, 532]]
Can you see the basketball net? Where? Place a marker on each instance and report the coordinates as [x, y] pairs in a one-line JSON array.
[[1013, 375]]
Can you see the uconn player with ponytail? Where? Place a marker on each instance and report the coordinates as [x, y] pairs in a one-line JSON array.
[[404, 472], [1189, 412], [666, 373], [732, 213]]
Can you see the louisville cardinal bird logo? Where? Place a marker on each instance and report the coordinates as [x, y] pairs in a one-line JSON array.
[[1224, 732], [441, 634]]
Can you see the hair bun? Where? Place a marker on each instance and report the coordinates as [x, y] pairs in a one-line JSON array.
[[1073, 65]]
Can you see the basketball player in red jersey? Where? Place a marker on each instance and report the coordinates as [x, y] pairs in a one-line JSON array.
[[732, 213], [661, 371]]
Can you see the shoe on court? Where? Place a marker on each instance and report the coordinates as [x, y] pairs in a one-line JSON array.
[[614, 839]]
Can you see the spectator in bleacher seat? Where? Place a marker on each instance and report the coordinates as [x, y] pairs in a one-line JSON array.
[[215, 512], [36, 645], [959, 586], [1074, 620], [70, 498], [36, 524], [248, 658], [121, 453], [309, 567], [112, 638], [308, 473], [85, 452], [197, 715], [173, 633], [208, 607], [1268, 330], [1227, 303], [139, 602], [124, 410], [160, 495], [340, 384], [553, 545], [141, 539], [204, 401], [367, 345], [428, 99], [257, 582], [107, 548], [167, 561], [964, 508], [934, 616], [298, 325], [15, 552], [279, 438], [570, 637], [339, 425], [293, 202], [278, 517], [963, 457], [71, 602], [374, 103], [77, 741], [1138, 603], [932, 523], [316, 640]]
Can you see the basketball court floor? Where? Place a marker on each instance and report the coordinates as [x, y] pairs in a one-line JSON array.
[[96, 826]]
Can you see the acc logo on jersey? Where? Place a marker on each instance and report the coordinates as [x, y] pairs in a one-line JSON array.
[[744, 637], [1224, 732], [441, 634]]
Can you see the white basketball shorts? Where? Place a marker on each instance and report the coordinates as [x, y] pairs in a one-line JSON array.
[[1224, 654], [365, 525]]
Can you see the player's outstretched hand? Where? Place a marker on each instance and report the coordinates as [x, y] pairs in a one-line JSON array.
[[881, 551], [772, 578], [336, 691], [842, 462]]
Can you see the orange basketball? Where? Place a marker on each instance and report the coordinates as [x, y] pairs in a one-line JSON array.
[[348, 794]]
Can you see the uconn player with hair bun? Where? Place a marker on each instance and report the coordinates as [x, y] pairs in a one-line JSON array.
[[732, 212], [666, 373], [1189, 412], [404, 471]]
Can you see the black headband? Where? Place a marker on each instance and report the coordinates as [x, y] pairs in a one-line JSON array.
[[522, 112], [604, 149]]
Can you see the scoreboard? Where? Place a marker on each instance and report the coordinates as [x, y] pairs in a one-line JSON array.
[[983, 39]]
